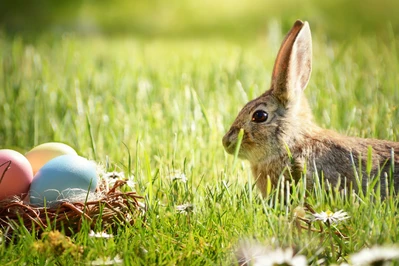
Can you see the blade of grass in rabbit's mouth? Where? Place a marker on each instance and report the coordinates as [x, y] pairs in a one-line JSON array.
[[238, 146]]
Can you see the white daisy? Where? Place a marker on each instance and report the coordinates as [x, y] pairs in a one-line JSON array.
[[185, 208], [131, 184], [114, 175], [331, 217], [178, 176], [375, 256], [107, 261], [99, 235], [257, 255]]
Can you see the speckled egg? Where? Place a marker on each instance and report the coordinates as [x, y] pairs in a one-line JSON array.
[[15, 174], [41, 154], [64, 178]]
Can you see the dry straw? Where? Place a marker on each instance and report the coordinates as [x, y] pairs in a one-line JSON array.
[[109, 208]]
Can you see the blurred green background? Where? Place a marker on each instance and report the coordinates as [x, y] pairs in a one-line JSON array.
[[236, 19]]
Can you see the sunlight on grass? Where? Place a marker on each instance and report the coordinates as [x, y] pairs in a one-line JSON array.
[[157, 110]]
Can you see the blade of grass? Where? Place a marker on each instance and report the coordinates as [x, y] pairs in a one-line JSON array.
[[237, 150], [92, 142]]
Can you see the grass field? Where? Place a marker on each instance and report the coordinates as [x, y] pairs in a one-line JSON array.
[[166, 104]]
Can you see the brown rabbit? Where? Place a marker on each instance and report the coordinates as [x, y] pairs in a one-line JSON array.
[[280, 121]]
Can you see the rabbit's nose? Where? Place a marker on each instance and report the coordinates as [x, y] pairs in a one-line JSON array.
[[226, 140], [229, 139]]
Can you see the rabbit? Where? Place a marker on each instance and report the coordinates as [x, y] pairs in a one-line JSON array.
[[280, 134]]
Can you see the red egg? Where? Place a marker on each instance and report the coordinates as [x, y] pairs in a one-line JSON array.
[[15, 174]]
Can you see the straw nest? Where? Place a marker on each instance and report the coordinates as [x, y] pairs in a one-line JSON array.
[[106, 208]]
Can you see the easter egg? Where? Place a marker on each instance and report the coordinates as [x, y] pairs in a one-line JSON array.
[[64, 178], [15, 174], [43, 153]]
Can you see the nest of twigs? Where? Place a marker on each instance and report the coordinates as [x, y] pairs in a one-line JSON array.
[[112, 207]]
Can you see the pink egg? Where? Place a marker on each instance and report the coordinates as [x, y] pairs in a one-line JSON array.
[[15, 174]]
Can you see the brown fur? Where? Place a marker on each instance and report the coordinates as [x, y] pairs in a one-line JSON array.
[[290, 124]]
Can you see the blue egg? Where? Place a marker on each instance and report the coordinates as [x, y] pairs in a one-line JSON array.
[[64, 178]]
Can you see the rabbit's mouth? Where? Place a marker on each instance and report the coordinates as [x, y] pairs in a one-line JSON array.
[[230, 143], [230, 148]]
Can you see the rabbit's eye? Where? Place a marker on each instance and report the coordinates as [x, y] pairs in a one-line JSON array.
[[259, 116]]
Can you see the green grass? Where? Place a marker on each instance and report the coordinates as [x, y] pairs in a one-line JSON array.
[[166, 105]]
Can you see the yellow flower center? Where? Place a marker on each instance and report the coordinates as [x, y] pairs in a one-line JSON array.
[[329, 213]]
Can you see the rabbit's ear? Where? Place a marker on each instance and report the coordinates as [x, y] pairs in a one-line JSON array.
[[293, 65]]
